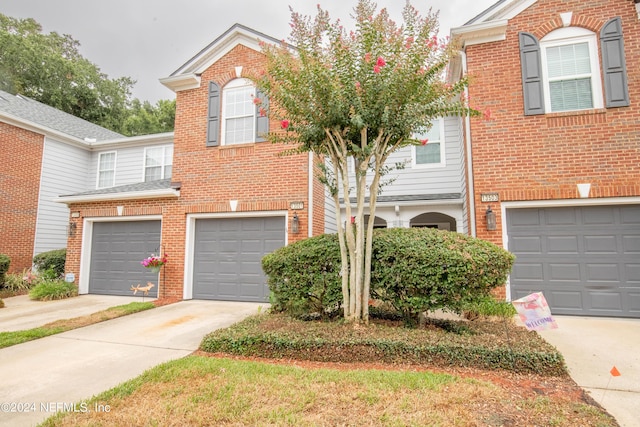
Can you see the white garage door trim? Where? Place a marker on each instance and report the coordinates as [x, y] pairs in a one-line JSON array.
[[556, 203], [190, 239], [87, 240]]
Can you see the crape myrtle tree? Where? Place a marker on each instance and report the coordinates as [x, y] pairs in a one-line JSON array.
[[358, 95]]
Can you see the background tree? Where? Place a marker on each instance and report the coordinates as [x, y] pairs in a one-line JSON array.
[[145, 118], [48, 68], [359, 95]]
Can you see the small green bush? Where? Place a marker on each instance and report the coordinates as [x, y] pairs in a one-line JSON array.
[[48, 290], [5, 261], [421, 269], [51, 260], [304, 277]]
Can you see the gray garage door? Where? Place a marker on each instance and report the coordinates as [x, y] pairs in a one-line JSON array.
[[586, 260], [228, 254], [116, 251]]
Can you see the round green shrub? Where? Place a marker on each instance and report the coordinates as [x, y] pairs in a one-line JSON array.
[[421, 269], [51, 260], [304, 277]]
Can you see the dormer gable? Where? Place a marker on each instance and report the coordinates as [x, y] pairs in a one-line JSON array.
[[188, 75]]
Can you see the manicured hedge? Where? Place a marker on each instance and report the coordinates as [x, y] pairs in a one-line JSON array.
[[420, 269], [304, 277], [413, 270]]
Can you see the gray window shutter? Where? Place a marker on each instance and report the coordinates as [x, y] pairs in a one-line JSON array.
[[613, 64], [531, 74], [262, 121], [213, 119]]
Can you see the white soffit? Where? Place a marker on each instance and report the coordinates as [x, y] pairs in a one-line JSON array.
[[491, 27]]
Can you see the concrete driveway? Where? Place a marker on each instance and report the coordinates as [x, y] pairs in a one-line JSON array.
[[42, 376], [591, 346]]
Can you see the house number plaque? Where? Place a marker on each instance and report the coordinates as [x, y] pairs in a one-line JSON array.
[[296, 206], [489, 197]]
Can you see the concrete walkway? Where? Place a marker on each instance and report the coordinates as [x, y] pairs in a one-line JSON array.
[[21, 313], [591, 346], [53, 373]]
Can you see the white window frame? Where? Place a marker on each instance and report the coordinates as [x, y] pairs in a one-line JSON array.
[[236, 84], [570, 36], [99, 170], [442, 163], [163, 166]]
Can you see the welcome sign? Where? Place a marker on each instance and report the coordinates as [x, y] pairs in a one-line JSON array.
[[534, 312]]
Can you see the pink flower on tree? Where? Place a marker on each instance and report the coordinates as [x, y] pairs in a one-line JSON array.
[[424, 141], [409, 42], [380, 62], [367, 57], [257, 101], [357, 85], [263, 112], [284, 124], [487, 115]]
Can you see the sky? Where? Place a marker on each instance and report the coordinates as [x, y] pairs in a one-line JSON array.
[[149, 39]]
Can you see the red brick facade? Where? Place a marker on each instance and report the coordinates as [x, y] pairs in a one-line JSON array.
[[19, 189], [253, 174], [543, 157]]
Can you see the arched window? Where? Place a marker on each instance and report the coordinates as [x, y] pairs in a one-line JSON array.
[[238, 112], [241, 118]]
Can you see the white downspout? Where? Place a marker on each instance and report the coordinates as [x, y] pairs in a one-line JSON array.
[[467, 137]]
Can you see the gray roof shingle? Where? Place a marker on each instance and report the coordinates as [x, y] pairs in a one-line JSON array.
[[161, 184], [52, 118]]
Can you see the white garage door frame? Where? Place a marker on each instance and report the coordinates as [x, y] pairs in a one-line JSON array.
[[190, 239], [87, 240], [556, 203]]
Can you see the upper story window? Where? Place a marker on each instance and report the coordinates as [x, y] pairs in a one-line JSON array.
[[238, 112], [571, 70], [238, 119], [158, 163], [106, 169], [432, 153], [562, 72]]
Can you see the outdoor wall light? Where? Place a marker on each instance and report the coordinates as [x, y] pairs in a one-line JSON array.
[[491, 219], [72, 229], [295, 223]]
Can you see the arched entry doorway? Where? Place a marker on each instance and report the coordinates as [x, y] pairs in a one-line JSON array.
[[434, 220]]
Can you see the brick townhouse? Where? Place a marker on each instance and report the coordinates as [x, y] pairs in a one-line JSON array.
[[230, 198], [558, 165]]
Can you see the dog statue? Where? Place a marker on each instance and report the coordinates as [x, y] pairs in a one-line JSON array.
[[144, 289]]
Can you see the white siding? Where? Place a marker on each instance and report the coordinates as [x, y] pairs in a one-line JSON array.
[[64, 169], [429, 180], [129, 166]]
